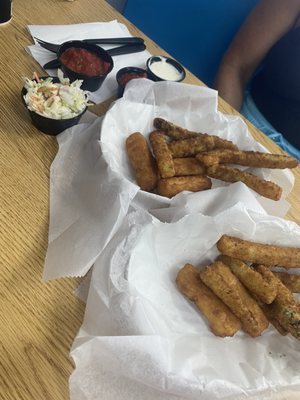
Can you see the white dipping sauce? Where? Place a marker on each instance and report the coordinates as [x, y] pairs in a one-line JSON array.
[[165, 70]]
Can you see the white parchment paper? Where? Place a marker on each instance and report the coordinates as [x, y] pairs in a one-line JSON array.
[[92, 185], [143, 340], [62, 33], [189, 106]]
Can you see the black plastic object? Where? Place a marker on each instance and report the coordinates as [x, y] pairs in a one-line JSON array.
[[90, 83], [129, 70], [117, 51], [51, 126], [124, 40], [5, 11], [168, 60]]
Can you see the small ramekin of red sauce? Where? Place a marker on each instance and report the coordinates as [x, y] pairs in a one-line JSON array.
[[126, 74], [87, 62]]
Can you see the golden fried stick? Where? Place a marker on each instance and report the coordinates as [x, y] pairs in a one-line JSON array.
[[219, 278], [247, 158], [142, 161], [280, 329], [172, 130], [266, 254], [162, 154], [192, 146], [209, 158], [176, 132], [270, 277], [286, 310], [220, 143], [221, 320], [264, 188], [292, 282], [264, 287], [187, 166], [267, 274], [203, 142], [169, 187], [272, 318]]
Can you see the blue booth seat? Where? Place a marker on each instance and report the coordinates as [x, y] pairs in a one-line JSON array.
[[195, 32]]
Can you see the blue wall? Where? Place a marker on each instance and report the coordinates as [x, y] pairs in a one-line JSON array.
[[118, 4], [195, 32]]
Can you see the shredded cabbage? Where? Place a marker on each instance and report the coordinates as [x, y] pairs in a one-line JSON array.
[[62, 100]]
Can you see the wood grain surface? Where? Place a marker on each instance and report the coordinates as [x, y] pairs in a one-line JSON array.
[[38, 320]]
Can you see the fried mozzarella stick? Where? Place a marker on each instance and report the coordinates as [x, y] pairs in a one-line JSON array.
[[203, 142], [169, 187], [247, 158], [266, 254], [292, 282], [219, 278], [142, 161], [286, 310], [221, 320], [264, 188], [162, 154], [262, 285], [173, 131], [187, 166]]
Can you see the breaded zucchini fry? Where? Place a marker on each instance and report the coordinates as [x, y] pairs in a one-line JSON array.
[[219, 278], [264, 287], [192, 146], [266, 254], [264, 188], [280, 329], [162, 154], [286, 310], [203, 142], [173, 131], [247, 158], [142, 161], [272, 318], [169, 187], [176, 132], [221, 320], [220, 143], [187, 166], [292, 282], [209, 158]]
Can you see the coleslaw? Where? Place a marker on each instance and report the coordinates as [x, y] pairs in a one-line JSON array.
[[62, 100]]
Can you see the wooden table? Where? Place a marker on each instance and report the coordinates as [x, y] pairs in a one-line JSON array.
[[38, 320]]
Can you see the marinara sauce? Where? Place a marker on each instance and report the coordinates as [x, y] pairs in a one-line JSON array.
[[84, 62], [126, 77]]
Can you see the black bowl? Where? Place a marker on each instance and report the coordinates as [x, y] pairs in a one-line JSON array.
[[51, 126], [175, 67], [90, 83], [129, 73]]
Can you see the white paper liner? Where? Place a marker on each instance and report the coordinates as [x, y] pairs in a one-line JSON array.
[[62, 33], [141, 337], [91, 192], [189, 106], [85, 208]]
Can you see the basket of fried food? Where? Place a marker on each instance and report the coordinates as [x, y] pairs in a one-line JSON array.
[[181, 160], [241, 289]]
